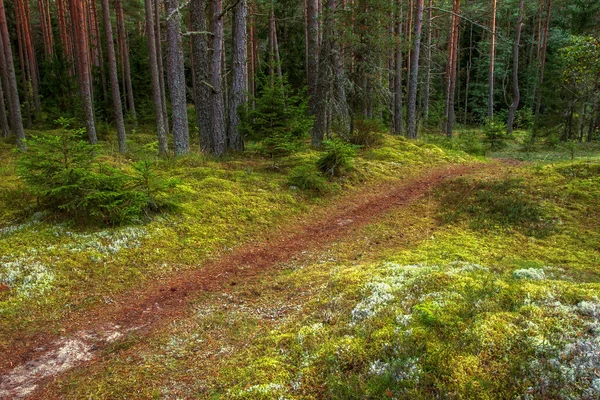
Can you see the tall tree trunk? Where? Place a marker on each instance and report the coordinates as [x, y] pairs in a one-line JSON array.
[[237, 97], [3, 117], [452, 67], [98, 54], [217, 101], [202, 94], [492, 63], [114, 78], [331, 97], [14, 105], [161, 70], [163, 149], [176, 73], [276, 47], [125, 60], [312, 78], [515, 73], [411, 115], [24, 63], [65, 33], [542, 59], [252, 60], [46, 27], [398, 123], [427, 89], [78, 16]]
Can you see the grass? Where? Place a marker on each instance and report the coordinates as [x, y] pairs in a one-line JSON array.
[[487, 288], [429, 310], [55, 268]]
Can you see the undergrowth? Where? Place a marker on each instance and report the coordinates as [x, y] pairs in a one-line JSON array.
[[431, 310], [50, 268]]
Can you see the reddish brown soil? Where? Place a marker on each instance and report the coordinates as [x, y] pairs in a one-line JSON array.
[[149, 308]]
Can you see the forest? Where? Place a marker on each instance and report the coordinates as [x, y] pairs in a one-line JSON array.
[[316, 199]]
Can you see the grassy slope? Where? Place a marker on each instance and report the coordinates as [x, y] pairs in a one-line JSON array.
[[443, 298], [54, 269]]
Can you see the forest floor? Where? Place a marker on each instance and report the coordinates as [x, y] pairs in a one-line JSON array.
[[429, 273]]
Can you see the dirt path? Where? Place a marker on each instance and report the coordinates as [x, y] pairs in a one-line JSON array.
[[144, 310]]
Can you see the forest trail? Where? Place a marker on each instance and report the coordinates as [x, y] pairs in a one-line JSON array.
[[142, 311]]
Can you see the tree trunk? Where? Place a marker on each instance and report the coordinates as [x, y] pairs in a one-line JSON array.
[[201, 71], [163, 149], [414, 73], [3, 117], [176, 73], [125, 61], [451, 68], [515, 73], [312, 78], [114, 78], [78, 15], [46, 28], [14, 105], [542, 59], [331, 96], [237, 97], [161, 70], [65, 33], [398, 123], [217, 101], [428, 62], [23, 61], [492, 63]]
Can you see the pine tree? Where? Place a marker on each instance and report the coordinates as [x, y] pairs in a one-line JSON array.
[[114, 79], [163, 148], [176, 75], [6, 62], [237, 96]]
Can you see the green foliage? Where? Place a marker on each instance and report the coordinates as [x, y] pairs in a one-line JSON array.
[[307, 177], [495, 134], [279, 144], [367, 133], [494, 204], [64, 173], [337, 157], [277, 112]]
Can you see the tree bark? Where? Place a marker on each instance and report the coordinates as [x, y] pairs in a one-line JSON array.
[[331, 100], [14, 105], [163, 148], [414, 73], [492, 63], [114, 78], [515, 73], [85, 81], [125, 61], [542, 59], [3, 117], [202, 94], [312, 78], [176, 74], [217, 101], [237, 96], [427, 89], [161, 70], [398, 120], [451, 68]]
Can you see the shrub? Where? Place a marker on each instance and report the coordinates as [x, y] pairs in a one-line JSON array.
[[337, 158], [306, 177], [276, 113], [63, 172], [367, 133], [495, 134]]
